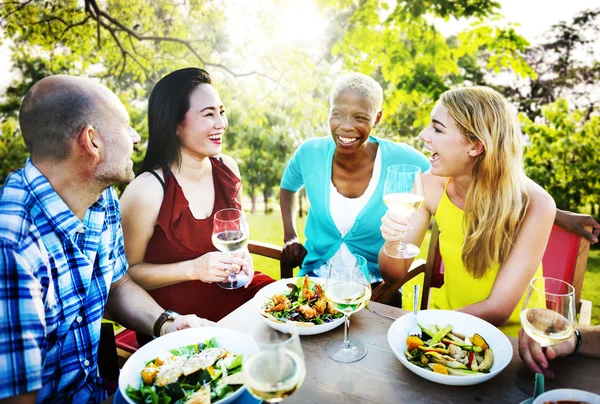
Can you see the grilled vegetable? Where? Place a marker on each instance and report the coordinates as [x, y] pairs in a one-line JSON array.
[[437, 368], [478, 340]]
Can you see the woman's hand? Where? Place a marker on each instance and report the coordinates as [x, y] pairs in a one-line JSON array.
[[249, 267], [293, 252], [537, 359], [183, 322], [394, 226], [215, 266]]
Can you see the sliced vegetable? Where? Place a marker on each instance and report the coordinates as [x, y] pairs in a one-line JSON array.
[[428, 349], [440, 334], [462, 345], [445, 360], [413, 342], [488, 360], [437, 368], [479, 341]]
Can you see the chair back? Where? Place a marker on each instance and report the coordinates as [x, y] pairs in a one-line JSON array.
[[565, 258]]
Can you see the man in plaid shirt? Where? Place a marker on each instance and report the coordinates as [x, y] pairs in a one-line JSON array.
[[62, 259]]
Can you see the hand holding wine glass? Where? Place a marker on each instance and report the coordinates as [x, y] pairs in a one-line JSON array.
[[348, 288], [548, 314], [403, 194], [230, 234], [277, 370]]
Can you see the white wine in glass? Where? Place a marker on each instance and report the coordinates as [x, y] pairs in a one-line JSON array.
[[230, 234], [548, 314], [403, 193], [348, 287], [278, 369]]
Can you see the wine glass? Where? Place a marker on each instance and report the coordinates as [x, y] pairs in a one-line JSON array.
[[348, 288], [230, 234], [548, 313], [277, 369], [403, 193]]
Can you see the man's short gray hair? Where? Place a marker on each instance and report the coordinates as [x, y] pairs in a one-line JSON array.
[[50, 120], [362, 83]]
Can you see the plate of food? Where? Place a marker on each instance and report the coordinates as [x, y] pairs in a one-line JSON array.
[[300, 300], [455, 348], [567, 396], [194, 366]]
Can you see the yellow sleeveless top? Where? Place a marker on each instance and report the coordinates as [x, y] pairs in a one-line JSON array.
[[460, 288]]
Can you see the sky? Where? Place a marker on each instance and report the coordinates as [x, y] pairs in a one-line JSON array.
[[534, 16]]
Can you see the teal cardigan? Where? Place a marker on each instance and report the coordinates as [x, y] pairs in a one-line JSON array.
[[311, 167]]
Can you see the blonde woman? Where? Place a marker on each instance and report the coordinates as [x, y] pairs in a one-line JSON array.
[[494, 221]]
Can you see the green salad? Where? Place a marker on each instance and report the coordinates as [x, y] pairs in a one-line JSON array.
[[193, 374], [304, 302]]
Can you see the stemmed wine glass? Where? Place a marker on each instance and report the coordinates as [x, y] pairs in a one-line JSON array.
[[277, 369], [348, 287], [403, 193], [548, 313], [230, 234]]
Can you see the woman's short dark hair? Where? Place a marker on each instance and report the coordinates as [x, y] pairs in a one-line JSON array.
[[168, 104]]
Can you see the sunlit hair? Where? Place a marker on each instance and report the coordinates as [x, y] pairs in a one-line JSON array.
[[362, 83], [167, 106], [497, 198]]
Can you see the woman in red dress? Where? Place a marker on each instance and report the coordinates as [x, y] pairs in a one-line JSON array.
[[168, 210]]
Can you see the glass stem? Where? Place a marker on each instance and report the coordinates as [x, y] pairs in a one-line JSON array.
[[402, 244], [346, 327]]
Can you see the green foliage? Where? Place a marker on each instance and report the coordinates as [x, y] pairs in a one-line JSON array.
[[563, 155], [13, 151], [403, 50]]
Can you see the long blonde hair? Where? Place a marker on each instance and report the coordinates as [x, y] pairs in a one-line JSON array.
[[497, 198]]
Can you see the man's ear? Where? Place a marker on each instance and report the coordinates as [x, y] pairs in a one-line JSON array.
[[378, 118], [90, 142], [476, 148]]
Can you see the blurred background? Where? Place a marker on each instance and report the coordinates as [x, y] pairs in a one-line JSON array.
[[273, 62]]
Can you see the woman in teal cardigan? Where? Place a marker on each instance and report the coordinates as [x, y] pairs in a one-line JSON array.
[[344, 176]]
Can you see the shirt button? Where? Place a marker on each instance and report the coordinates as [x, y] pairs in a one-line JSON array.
[[86, 363], [79, 318], [81, 230]]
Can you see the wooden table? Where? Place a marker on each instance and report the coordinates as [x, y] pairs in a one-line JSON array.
[[381, 378]]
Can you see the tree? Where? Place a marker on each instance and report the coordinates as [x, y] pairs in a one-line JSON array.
[[565, 68], [562, 155], [401, 47]]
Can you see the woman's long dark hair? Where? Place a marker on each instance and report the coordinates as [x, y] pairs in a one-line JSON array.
[[168, 104]]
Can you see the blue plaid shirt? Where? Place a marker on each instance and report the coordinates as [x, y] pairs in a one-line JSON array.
[[55, 276]]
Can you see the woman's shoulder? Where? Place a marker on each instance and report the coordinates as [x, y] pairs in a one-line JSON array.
[[145, 191], [231, 164], [539, 199], [315, 143], [433, 187]]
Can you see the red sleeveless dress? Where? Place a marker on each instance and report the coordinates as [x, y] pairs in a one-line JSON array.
[[178, 236]]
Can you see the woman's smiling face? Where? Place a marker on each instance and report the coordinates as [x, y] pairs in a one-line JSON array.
[[451, 151], [351, 120]]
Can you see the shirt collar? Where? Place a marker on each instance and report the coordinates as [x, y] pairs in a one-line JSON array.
[[55, 209]]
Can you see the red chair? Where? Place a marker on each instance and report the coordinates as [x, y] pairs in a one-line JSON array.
[[565, 258]]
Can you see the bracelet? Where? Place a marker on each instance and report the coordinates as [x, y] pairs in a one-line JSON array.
[[578, 344]]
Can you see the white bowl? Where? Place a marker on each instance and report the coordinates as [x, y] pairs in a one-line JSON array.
[[234, 341], [279, 287], [567, 394], [461, 323]]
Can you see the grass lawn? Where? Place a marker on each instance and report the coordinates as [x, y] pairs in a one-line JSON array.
[[270, 230]]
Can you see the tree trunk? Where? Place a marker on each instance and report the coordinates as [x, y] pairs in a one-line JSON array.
[[253, 198], [266, 198], [300, 198]]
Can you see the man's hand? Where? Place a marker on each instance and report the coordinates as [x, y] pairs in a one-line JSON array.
[[293, 252], [537, 359], [576, 222], [183, 322]]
